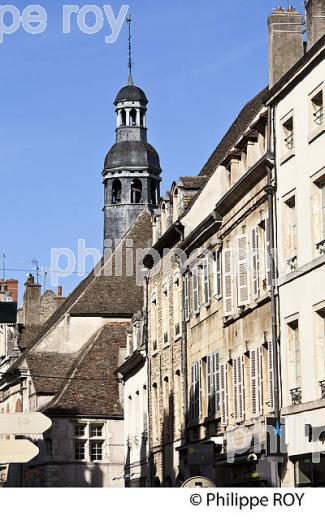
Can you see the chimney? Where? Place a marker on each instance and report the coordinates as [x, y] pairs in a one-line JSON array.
[[32, 302], [286, 42], [12, 286], [315, 17], [60, 291]]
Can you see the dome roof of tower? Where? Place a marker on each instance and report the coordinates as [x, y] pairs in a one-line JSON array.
[[133, 154], [131, 93]]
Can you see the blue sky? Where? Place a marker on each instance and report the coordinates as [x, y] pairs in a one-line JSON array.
[[198, 63]]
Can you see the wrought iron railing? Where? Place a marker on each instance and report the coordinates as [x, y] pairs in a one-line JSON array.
[[319, 116], [289, 141], [296, 395]]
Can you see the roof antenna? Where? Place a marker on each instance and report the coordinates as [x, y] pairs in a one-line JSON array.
[[130, 64]]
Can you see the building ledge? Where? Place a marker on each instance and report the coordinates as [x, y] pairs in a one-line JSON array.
[[304, 407], [302, 270]]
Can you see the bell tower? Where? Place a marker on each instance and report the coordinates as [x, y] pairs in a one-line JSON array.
[[131, 174]]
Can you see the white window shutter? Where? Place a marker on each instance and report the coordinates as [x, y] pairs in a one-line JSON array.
[[218, 274], [195, 290], [228, 282], [255, 263], [238, 388], [217, 380], [254, 383], [206, 281], [267, 250], [242, 273], [210, 385], [186, 298], [224, 394], [260, 378], [271, 376]]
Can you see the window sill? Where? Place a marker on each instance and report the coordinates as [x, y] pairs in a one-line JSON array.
[[178, 337], [217, 296], [166, 345], [287, 156], [316, 132]]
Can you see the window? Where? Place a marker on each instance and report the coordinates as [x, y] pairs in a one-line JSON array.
[[267, 254], [320, 342], [294, 353], [256, 374], [288, 134], [271, 376], [228, 282], [224, 393], [167, 408], [155, 411], [186, 292], [255, 263], [319, 213], [291, 232], [206, 282], [318, 108], [165, 313], [116, 192], [154, 322], [133, 117], [123, 117], [96, 451], [218, 273], [80, 429], [213, 383], [79, 450], [136, 191], [96, 430], [195, 290], [242, 273], [178, 402], [177, 306], [195, 391], [238, 388], [89, 445]]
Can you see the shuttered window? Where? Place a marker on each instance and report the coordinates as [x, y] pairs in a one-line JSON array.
[[206, 282], [213, 383], [228, 282], [267, 253], [218, 282], [238, 388], [242, 273], [195, 391], [186, 293], [256, 374], [223, 394], [195, 290], [271, 376], [255, 263]]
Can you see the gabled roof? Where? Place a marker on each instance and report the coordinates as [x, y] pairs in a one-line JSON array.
[[91, 387]]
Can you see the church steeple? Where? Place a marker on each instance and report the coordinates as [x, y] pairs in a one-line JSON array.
[[132, 167]]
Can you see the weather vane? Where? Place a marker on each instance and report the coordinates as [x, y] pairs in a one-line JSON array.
[[130, 64]]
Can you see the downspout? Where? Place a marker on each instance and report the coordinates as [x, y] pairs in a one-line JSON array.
[[146, 339], [271, 191]]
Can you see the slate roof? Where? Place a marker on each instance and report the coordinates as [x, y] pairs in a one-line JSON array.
[[131, 93], [91, 387], [132, 154], [238, 127]]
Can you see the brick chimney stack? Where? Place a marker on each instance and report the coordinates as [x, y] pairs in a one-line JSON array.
[[11, 288], [32, 302], [286, 42], [315, 17]]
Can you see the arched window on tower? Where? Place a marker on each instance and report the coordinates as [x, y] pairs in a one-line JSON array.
[[141, 117], [153, 192], [123, 117], [116, 192], [133, 117], [136, 191]]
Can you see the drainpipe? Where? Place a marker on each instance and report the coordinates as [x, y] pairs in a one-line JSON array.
[[271, 191]]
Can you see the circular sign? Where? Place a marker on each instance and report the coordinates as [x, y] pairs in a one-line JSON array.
[[198, 482]]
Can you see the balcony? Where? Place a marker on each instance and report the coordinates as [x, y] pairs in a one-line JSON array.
[[322, 387], [319, 116], [296, 396], [320, 246]]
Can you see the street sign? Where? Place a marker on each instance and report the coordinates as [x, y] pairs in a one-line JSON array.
[[23, 423], [19, 451]]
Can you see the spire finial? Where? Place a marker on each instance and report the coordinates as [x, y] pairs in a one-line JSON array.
[[129, 21]]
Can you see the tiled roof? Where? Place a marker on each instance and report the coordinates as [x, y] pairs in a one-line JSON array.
[[193, 183], [54, 365], [92, 387]]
